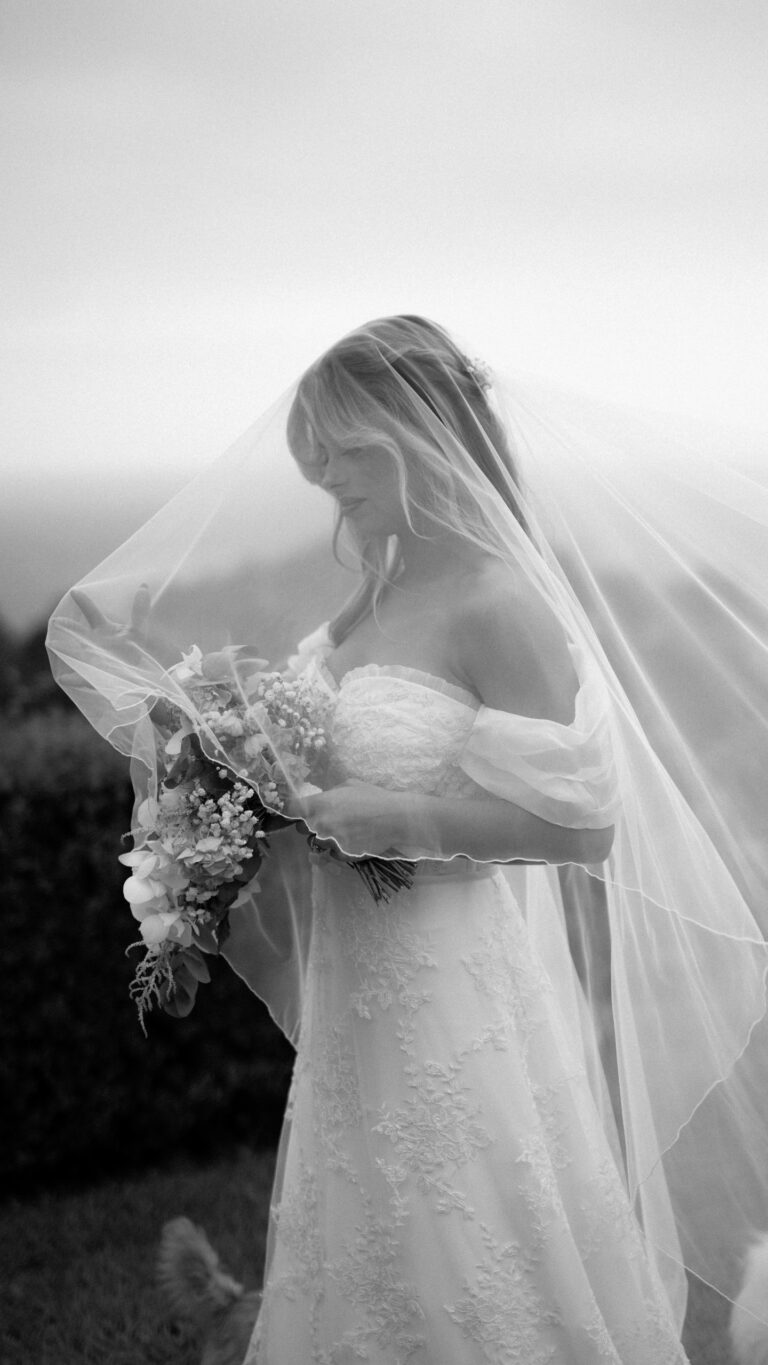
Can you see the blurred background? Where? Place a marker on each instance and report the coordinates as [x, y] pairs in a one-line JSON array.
[[199, 198]]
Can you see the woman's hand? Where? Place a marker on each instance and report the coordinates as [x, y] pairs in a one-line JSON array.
[[355, 818], [128, 642], [134, 634]]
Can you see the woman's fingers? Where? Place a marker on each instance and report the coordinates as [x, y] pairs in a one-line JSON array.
[[346, 820], [137, 627], [327, 846], [313, 815], [95, 618], [308, 825], [140, 609]]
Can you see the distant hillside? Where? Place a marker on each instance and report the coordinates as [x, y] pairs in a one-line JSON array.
[[273, 611], [53, 530]]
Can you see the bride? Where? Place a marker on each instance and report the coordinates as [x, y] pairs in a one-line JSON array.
[[518, 1082]]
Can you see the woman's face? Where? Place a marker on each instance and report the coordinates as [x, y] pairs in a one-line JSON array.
[[364, 482]]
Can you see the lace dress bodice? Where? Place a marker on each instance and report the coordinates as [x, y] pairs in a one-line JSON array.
[[400, 728]]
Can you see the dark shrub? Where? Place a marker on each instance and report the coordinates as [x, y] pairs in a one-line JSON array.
[[81, 1089]]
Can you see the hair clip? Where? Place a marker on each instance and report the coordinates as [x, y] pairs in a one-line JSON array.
[[480, 372]]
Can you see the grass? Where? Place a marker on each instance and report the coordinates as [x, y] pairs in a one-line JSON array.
[[77, 1272], [705, 1337]]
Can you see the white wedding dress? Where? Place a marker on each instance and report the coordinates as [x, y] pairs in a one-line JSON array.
[[447, 1194]]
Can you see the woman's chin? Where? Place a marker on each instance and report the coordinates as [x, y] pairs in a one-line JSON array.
[[365, 524]]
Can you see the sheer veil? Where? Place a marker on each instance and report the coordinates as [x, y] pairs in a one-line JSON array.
[[637, 557]]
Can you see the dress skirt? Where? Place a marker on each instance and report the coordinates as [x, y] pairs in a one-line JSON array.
[[446, 1192]]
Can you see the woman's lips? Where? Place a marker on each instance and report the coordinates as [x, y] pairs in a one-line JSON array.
[[348, 505]]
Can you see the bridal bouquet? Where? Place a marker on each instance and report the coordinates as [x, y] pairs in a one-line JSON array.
[[258, 738]]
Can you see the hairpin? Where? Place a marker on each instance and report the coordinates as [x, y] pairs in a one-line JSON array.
[[480, 372]]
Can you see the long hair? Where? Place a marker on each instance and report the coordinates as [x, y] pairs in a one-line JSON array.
[[403, 385]]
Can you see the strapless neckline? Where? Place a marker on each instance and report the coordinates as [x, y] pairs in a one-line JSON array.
[[417, 676]]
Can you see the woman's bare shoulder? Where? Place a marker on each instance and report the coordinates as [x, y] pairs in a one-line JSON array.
[[501, 596], [511, 647], [491, 581]]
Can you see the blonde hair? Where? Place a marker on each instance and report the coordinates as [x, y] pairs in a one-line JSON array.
[[395, 384]]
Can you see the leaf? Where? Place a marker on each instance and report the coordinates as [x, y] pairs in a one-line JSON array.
[[181, 1003], [194, 962]]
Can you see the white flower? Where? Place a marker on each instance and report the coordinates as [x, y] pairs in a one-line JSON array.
[[156, 928], [143, 861], [255, 745], [141, 890], [210, 844], [256, 716], [172, 799], [154, 874], [225, 723], [318, 643], [181, 932], [133, 859], [190, 666]]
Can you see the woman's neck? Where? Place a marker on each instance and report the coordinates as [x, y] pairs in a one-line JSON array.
[[428, 561]]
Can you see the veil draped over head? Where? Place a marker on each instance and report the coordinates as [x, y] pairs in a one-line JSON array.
[[637, 555]]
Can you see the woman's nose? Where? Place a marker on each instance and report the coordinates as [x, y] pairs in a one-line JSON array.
[[330, 478]]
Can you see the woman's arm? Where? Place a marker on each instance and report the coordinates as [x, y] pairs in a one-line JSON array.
[[490, 829], [362, 819]]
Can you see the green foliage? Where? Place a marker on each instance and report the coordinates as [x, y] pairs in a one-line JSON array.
[[81, 1088]]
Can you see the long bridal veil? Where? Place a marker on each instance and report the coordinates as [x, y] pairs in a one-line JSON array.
[[637, 556]]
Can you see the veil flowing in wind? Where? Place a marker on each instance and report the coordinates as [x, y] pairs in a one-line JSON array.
[[636, 551]]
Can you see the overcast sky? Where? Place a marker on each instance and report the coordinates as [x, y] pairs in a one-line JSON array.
[[202, 195]]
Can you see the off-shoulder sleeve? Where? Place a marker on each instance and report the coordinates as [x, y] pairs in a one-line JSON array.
[[565, 774]]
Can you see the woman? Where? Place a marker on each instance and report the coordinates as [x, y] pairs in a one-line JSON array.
[[482, 1158]]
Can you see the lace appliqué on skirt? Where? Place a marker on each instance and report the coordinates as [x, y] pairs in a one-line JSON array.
[[448, 1193]]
